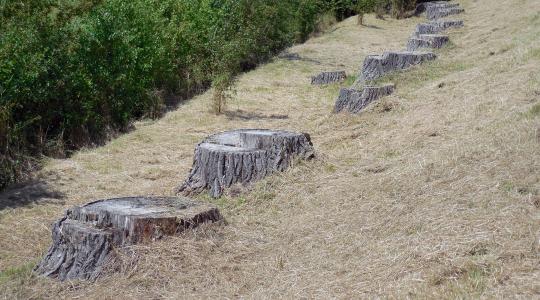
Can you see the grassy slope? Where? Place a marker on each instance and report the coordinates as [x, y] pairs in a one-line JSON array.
[[432, 191]]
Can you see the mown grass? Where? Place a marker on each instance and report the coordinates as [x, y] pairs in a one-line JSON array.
[[467, 281], [14, 280], [417, 76], [17, 273], [437, 198]]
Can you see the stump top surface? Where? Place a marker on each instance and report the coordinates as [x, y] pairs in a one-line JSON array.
[[439, 22], [401, 53], [445, 21], [226, 148], [384, 86], [405, 52], [432, 35], [243, 139], [440, 4], [140, 206], [332, 72]]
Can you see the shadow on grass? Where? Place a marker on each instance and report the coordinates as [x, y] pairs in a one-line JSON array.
[[246, 116], [29, 192], [372, 26]]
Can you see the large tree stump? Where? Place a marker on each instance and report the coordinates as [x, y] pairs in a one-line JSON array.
[[376, 66], [435, 27], [84, 239], [328, 77], [354, 101], [427, 41], [243, 156], [435, 12]]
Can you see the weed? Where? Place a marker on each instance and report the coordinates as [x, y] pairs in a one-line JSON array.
[[534, 111]]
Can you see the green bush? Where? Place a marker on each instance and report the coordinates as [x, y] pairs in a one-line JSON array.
[[397, 8]]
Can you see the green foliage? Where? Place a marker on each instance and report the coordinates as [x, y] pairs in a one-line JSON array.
[[399, 7], [396, 7], [366, 6], [223, 89]]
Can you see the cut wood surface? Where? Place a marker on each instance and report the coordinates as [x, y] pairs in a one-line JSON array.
[[85, 238], [243, 156]]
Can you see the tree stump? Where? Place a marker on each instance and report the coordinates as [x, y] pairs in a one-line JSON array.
[[445, 24], [422, 7], [427, 41], [328, 77], [354, 101], [435, 12], [435, 27], [243, 156], [84, 239], [376, 66]]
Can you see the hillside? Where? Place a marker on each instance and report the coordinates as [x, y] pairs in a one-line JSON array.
[[431, 192]]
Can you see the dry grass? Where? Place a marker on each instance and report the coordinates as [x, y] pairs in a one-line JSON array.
[[431, 193]]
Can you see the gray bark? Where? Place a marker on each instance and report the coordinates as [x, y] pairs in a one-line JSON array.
[[376, 66], [427, 41], [84, 239], [243, 156], [422, 7], [354, 101], [435, 27], [435, 12], [329, 77]]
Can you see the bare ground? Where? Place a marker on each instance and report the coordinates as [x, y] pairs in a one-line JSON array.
[[432, 192]]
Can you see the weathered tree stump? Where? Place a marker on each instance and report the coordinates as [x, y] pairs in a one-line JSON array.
[[376, 66], [434, 12], [354, 101], [422, 7], [328, 77], [435, 27], [243, 156], [427, 41], [84, 239], [445, 24]]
